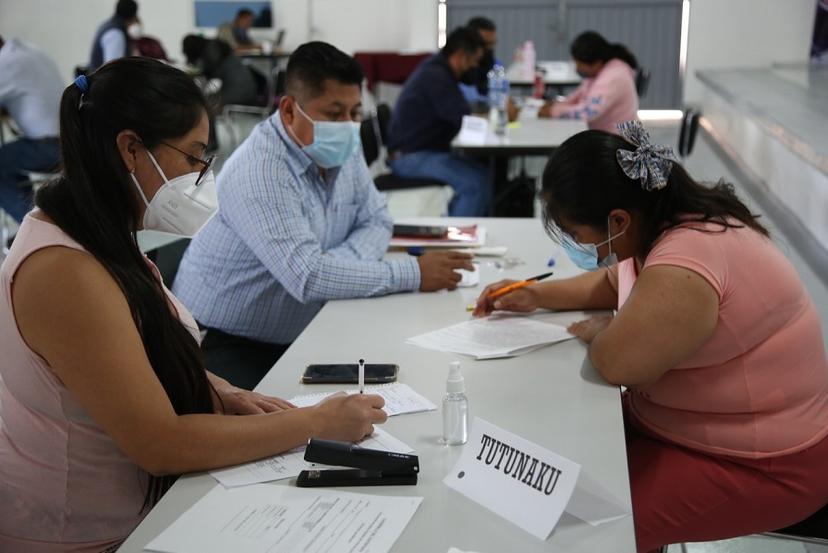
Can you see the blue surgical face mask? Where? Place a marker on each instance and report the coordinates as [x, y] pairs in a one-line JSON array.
[[585, 256], [334, 142]]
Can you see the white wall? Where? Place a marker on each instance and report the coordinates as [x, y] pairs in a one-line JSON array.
[[403, 25], [745, 33], [64, 28]]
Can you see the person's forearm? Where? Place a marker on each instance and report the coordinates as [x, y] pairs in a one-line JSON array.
[[590, 290], [203, 442], [369, 242]]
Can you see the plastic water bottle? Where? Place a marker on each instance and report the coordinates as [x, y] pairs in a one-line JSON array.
[[498, 98], [455, 408]]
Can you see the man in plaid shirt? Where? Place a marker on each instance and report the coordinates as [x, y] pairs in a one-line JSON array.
[[300, 222]]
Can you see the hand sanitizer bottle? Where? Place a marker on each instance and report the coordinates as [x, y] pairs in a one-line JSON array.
[[455, 408]]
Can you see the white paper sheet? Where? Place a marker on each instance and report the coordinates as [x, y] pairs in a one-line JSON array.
[[291, 463], [493, 337], [271, 519], [399, 398], [473, 131], [469, 278]]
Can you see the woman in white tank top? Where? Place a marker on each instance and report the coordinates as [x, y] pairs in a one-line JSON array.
[[104, 399]]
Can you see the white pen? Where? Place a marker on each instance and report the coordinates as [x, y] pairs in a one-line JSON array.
[[362, 376]]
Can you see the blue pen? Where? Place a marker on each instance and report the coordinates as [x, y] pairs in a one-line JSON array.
[[416, 251]]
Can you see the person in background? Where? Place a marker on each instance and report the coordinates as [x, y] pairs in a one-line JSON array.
[[216, 60], [104, 398], [477, 93], [726, 405], [146, 45], [428, 115], [112, 39], [607, 95], [236, 33], [300, 223], [30, 88]]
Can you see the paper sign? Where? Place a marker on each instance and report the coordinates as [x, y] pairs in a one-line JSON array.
[[524, 483], [594, 504], [473, 131]]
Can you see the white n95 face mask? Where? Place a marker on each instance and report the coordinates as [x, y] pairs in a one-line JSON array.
[[180, 206]]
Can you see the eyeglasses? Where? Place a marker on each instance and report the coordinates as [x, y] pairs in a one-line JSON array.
[[206, 164]]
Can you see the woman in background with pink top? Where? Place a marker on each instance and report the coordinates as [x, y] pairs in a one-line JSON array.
[[715, 338], [607, 96], [104, 398]]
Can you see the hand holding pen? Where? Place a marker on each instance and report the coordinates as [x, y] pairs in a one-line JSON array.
[[509, 295]]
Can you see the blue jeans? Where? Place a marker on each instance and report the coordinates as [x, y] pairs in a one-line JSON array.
[[21, 155], [469, 179]]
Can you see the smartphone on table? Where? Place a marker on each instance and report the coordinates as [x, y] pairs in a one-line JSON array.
[[421, 231], [348, 373]]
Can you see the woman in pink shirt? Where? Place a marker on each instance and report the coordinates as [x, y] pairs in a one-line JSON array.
[[715, 338], [607, 96], [104, 398]]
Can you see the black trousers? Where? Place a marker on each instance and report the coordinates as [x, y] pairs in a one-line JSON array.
[[241, 361]]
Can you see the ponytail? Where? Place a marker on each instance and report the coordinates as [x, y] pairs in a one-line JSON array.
[[95, 203], [621, 52]]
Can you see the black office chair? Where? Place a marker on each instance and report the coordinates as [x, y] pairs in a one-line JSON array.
[[642, 81], [687, 132], [374, 132]]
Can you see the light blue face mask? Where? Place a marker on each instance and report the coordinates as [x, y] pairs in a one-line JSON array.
[[585, 256], [334, 142]]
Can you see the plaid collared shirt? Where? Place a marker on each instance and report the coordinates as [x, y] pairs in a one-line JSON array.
[[285, 240]]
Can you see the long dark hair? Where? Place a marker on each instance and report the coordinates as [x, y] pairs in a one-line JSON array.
[[590, 47], [583, 182], [96, 203]]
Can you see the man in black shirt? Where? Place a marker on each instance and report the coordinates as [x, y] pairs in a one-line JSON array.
[[477, 93], [428, 115]]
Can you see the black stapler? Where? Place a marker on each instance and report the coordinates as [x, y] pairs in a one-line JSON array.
[[371, 467]]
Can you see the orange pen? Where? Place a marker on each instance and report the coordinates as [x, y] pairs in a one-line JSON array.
[[516, 285]]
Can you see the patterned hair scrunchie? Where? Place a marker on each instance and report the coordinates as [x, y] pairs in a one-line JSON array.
[[648, 163]]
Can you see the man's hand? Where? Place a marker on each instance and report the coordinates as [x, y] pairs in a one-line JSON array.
[[437, 269]]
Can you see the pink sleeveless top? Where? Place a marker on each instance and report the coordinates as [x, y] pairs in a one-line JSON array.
[[64, 484], [758, 387]]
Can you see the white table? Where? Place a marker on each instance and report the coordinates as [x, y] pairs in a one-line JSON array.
[[527, 137], [533, 136], [552, 396]]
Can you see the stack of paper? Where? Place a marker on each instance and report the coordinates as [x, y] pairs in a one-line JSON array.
[[456, 237], [399, 399], [493, 337], [291, 463], [281, 518]]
